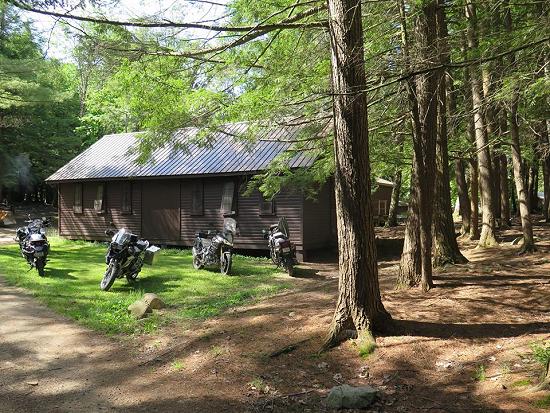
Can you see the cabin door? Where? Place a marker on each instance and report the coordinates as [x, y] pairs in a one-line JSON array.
[[161, 210]]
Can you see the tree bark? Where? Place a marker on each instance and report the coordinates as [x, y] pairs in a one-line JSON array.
[[395, 195], [463, 197], [424, 138], [487, 237], [445, 246], [517, 163], [504, 193], [359, 306], [410, 268]]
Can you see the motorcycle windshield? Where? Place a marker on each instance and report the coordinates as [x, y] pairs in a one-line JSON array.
[[121, 237], [230, 226], [283, 227]]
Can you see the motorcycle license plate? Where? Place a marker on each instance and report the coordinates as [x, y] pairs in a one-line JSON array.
[[286, 249], [39, 254]]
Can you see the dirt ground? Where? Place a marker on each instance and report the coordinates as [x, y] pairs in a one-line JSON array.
[[482, 316]]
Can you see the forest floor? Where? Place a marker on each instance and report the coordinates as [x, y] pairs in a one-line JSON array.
[[464, 347]]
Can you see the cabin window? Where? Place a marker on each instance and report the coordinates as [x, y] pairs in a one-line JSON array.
[[99, 201], [126, 198], [77, 202], [267, 206], [229, 199], [382, 207], [197, 206]]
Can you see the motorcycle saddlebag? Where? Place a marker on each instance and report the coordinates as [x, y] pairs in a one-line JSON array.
[[151, 255]]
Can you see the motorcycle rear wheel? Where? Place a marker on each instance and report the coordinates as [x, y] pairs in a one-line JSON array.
[[109, 277], [226, 260], [40, 267]]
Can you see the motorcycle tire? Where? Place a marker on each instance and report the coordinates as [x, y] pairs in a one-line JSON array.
[[290, 270], [197, 262], [109, 277], [40, 267], [226, 260]]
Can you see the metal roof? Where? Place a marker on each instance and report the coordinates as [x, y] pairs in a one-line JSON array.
[[228, 152]]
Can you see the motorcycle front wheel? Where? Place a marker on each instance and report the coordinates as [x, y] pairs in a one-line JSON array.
[[40, 264], [225, 263], [110, 276]]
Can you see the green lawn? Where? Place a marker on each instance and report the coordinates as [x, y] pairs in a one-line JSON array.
[[73, 273]]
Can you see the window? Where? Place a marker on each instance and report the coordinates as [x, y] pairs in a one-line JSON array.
[[126, 198], [77, 201], [99, 201], [197, 207], [229, 201], [267, 207], [382, 207]]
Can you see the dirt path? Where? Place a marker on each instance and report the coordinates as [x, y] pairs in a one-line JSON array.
[[463, 347]]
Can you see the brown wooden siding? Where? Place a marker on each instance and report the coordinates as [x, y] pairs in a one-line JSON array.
[[160, 219], [91, 225], [319, 224], [287, 204]]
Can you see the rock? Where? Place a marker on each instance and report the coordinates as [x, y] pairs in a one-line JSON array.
[[139, 309], [32, 383], [348, 397], [153, 301]]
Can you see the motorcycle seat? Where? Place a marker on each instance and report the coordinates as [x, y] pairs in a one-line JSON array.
[[272, 227], [279, 235], [206, 234]]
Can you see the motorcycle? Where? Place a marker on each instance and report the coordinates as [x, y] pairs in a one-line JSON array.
[[125, 256], [34, 244], [281, 250], [215, 247]]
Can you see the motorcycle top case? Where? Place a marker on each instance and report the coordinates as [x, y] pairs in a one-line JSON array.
[[151, 254]]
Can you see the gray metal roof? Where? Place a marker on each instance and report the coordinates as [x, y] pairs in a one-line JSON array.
[[228, 152]]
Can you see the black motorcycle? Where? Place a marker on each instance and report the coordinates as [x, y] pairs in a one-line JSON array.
[[125, 256], [281, 250], [215, 247], [33, 243]]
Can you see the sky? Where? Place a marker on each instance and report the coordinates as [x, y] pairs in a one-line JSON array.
[[59, 46]]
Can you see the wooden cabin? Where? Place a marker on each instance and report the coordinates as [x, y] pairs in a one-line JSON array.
[[186, 188]]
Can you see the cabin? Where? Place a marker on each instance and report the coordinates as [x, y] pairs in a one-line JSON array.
[[187, 187]]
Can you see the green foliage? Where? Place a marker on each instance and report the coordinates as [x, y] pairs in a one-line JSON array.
[[480, 374], [541, 352], [521, 383], [71, 286]]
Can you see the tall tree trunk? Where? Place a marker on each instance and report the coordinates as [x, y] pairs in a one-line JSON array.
[[410, 268], [463, 198], [487, 237], [445, 246], [424, 138], [359, 305], [410, 265], [545, 156], [517, 163], [504, 193], [395, 195]]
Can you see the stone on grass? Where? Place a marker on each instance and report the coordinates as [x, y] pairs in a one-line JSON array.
[[153, 301], [348, 397], [139, 309]]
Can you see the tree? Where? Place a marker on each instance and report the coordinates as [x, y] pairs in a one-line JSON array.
[[359, 306]]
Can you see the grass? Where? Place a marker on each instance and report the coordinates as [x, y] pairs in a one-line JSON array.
[[75, 268], [480, 374], [521, 383], [543, 403]]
